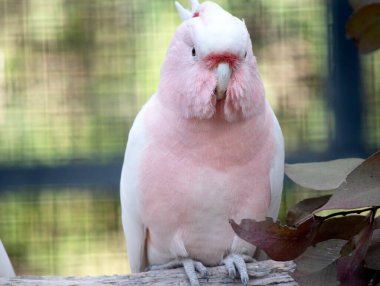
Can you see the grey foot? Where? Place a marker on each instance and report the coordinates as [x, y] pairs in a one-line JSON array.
[[237, 262], [191, 268]]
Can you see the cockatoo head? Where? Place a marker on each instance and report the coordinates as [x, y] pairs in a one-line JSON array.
[[210, 70]]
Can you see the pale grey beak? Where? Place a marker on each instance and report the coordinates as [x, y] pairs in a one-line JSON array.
[[223, 75]]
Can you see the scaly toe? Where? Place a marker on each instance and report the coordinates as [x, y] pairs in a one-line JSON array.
[[241, 268], [191, 268], [235, 262], [170, 265], [229, 264], [201, 269]]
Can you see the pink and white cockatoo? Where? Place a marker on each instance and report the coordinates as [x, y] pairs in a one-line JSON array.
[[204, 149], [6, 269]]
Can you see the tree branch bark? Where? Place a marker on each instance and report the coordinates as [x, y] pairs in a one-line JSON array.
[[261, 273]]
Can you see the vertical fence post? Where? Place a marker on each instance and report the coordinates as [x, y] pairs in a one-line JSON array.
[[344, 84]]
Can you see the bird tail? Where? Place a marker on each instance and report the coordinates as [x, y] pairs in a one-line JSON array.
[[6, 269]]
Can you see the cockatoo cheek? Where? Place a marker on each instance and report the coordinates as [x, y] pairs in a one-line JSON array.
[[200, 102]]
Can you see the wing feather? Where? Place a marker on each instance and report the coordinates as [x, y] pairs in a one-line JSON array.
[[134, 229], [277, 171], [6, 269]]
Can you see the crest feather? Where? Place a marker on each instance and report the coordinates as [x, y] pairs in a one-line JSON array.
[[185, 14]]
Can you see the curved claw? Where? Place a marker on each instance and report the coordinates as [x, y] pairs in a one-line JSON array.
[[201, 269], [235, 262], [190, 266], [229, 263]]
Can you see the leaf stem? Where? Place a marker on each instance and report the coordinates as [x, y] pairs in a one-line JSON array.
[[373, 210]]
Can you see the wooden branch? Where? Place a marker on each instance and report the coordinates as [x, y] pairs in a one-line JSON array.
[[261, 273]]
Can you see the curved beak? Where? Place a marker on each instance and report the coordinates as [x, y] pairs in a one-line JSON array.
[[223, 75]]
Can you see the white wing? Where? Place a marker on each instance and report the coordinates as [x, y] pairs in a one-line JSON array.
[[134, 230], [6, 269], [277, 171]]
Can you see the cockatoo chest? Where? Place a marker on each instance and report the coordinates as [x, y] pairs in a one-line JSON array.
[[196, 175]]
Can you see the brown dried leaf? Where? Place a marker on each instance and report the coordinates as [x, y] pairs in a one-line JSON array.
[[304, 208], [280, 242], [370, 40], [322, 175], [364, 27], [361, 188]]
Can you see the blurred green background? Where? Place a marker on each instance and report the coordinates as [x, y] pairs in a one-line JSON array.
[[73, 75]]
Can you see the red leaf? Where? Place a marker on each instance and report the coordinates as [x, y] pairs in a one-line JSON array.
[[341, 227], [350, 267], [304, 208], [372, 258], [280, 242]]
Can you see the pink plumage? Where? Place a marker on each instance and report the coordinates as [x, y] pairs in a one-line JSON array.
[[205, 149]]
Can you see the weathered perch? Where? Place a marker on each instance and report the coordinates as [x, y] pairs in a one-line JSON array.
[[261, 273]]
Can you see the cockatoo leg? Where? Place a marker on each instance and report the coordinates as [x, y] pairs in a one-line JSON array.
[[191, 268], [237, 262]]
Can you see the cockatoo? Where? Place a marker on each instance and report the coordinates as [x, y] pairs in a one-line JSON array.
[[6, 269], [204, 149]]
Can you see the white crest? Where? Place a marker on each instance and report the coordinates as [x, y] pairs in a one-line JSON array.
[[185, 14], [194, 5]]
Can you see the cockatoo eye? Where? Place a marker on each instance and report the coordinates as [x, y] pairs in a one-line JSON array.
[[193, 52], [245, 55]]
